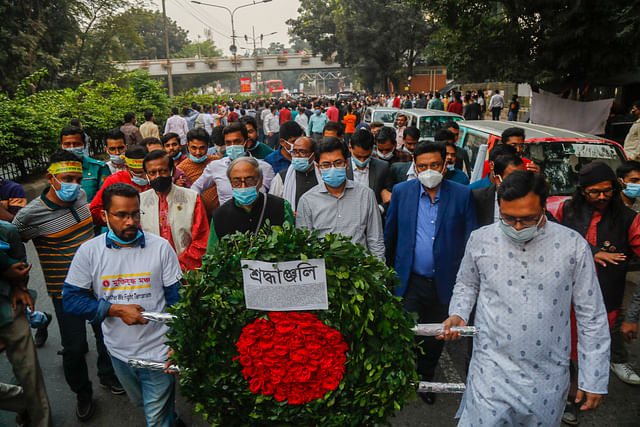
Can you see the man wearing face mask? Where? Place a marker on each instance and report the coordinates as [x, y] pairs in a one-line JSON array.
[[597, 212], [133, 175], [98, 288], [177, 214], [281, 159], [629, 177], [115, 147], [366, 170], [386, 146], [523, 274], [317, 122], [338, 205], [59, 221], [486, 199], [255, 147], [94, 172], [249, 208], [301, 176], [428, 223], [235, 138], [172, 145], [454, 174], [498, 150], [405, 171]]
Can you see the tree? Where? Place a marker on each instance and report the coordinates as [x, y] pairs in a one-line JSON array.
[[275, 47], [379, 39], [149, 26], [32, 35], [205, 49], [550, 43]]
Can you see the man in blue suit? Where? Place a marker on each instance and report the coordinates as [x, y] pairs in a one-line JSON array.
[[428, 223]]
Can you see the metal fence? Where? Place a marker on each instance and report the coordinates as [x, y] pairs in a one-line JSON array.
[[15, 169]]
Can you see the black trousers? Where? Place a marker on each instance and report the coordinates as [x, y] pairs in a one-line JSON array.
[[421, 297], [73, 335]]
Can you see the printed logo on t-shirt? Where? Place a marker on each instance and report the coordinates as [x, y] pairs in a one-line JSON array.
[[126, 287]]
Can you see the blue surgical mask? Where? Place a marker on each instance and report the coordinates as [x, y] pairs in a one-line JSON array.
[[451, 167], [318, 112], [632, 190], [197, 159], [523, 235], [245, 195], [235, 151], [112, 236], [141, 182], [116, 159], [361, 164], [68, 191], [334, 177], [77, 151], [177, 156], [301, 164]]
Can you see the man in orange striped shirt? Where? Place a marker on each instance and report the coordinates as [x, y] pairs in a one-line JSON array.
[[59, 221]]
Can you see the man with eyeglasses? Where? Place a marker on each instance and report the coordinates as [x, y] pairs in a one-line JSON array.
[[59, 221], [281, 158], [113, 278], [248, 209], [134, 175], [215, 174], [597, 212], [177, 214], [338, 205], [301, 176], [523, 274], [428, 223], [515, 138]]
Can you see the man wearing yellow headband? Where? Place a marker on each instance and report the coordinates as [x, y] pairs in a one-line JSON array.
[[59, 221], [94, 172], [134, 174]]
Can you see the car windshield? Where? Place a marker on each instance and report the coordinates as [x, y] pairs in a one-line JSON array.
[[561, 161], [384, 116], [429, 125]]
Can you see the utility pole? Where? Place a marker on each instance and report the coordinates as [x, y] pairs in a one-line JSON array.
[[166, 46]]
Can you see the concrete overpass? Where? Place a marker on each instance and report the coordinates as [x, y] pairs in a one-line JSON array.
[[245, 64]]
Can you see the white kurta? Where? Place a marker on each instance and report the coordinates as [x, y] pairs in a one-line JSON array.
[[519, 369]]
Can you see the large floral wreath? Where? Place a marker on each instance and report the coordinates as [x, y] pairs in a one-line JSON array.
[[352, 364]]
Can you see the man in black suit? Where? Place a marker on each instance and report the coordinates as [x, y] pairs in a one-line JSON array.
[[487, 210], [367, 170]]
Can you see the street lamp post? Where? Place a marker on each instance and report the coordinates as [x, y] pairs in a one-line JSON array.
[[234, 47], [255, 53]]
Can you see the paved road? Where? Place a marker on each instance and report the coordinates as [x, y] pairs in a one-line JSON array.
[[620, 408]]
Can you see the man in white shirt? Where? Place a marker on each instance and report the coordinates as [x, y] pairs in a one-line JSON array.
[[496, 104], [302, 119], [115, 277], [271, 126], [402, 125], [178, 125], [235, 138]]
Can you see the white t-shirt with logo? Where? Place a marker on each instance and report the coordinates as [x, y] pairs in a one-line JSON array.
[[132, 275]]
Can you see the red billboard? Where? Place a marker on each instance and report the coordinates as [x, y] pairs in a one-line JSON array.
[[245, 84]]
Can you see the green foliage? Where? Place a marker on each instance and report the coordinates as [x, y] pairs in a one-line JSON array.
[[379, 371], [30, 123], [377, 38], [205, 49], [553, 44]]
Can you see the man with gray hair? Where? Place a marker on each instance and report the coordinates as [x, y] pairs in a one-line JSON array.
[[248, 209]]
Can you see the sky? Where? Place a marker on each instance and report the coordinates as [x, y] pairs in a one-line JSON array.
[[266, 18]]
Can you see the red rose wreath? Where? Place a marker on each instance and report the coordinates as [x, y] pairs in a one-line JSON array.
[[292, 356]]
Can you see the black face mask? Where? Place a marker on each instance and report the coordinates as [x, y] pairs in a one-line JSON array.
[[161, 184]]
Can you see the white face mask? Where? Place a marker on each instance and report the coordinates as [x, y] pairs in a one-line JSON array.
[[430, 178]]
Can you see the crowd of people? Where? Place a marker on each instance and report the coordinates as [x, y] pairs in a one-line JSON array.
[[114, 238]]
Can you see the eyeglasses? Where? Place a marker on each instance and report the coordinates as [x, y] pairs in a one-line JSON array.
[[525, 221], [249, 181], [608, 192], [123, 216], [301, 153], [336, 164]]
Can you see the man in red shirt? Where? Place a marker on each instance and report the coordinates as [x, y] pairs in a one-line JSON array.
[[456, 106], [333, 114], [514, 137], [397, 103], [232, 116], [134, 175], [285, 114]]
